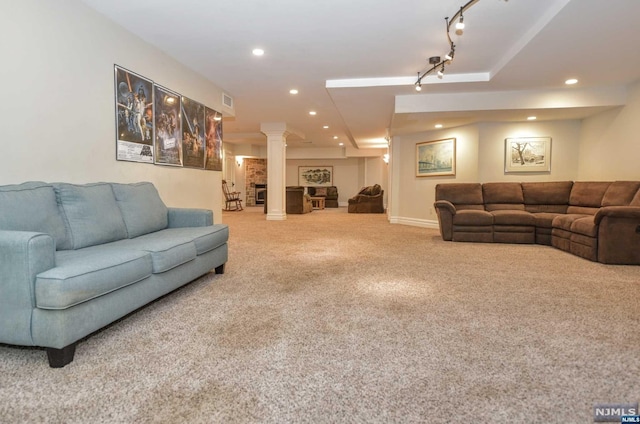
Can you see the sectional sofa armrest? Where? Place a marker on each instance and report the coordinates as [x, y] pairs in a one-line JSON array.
[[445, 211], [188, 217], [627, 212], [445, 205], [23, 255]]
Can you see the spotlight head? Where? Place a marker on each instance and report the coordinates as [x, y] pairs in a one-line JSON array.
[[460, 24], [418, 86]]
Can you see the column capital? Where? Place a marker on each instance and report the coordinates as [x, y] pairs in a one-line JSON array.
[[279, 129]]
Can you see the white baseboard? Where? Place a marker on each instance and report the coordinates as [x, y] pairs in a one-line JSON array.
[[424, 223]]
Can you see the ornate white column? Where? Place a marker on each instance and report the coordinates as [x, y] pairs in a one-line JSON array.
[[276, 133]]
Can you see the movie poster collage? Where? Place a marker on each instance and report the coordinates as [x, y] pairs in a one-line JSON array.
[[157, 125]]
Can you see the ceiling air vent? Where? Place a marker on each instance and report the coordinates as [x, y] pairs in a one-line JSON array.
[[227, 100]]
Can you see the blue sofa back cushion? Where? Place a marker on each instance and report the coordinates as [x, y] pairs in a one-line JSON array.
[[32, 206], [142, 209], [91, 214]]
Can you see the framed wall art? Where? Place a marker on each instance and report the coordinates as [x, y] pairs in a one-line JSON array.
[[134, 116], [167, 125], [192, 133], [436, 158], [318, 176], [213, 140], [527, 154]]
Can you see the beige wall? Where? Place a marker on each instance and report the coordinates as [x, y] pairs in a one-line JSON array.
[[58, 111], [480, 158], [610, 143], [347, 174]]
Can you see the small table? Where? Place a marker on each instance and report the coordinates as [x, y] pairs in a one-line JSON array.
[[317, 202]]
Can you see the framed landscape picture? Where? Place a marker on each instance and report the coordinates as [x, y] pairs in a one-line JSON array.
[[436, 158], [317, 176], [527, 154]]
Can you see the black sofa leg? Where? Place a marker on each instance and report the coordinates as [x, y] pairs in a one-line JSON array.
[[58, 358], [220, 269]]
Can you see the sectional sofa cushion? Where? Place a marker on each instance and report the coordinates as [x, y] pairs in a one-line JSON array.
[[586, 197], [620, 193], [91, 214], [551, 196], [498, 196], [636, 200], [32, 207], [513, 217], [462, 195], [585, 226], [470, 217], [142, 208], [84, 274]]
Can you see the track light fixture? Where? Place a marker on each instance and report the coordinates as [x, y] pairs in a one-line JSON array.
[[460, 24], [435, 61]]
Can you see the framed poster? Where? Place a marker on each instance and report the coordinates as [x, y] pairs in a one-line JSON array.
[[134, 116], [213, 138], [192, 133], [318, 176], [168, 140], [436, 158], [527, 154]]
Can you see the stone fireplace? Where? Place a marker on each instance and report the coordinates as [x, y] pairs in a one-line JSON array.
[[255, 181]]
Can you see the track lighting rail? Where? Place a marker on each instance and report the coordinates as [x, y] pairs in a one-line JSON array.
[[439, 64]]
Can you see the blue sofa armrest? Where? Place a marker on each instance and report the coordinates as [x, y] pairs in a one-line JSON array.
[[187, 217], [23, 255]]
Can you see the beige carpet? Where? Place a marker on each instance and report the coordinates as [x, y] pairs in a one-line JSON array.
[[332, 317]]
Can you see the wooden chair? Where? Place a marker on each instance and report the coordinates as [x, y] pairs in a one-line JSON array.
[[232, 198]]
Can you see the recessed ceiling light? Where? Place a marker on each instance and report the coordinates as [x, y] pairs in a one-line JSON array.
[[257, 52], [326, 127], [438, 125], [335, 137], [293, 91], [340, 144], [312, 112], [571, 81], [532, 118]]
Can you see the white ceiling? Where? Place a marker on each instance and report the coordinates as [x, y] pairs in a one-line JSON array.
[[340, 55]]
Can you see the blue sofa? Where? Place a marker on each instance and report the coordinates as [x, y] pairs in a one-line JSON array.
[[75, 258]]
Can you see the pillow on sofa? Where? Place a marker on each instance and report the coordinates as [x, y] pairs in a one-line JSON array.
[[142, 209], [321, 191], [32, 207], [90, 213]]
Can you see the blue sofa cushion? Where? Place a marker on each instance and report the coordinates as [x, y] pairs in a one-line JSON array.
[[142, 209], [204, 238], [84, 274], [32, 207], [91, 214], [167, 251]]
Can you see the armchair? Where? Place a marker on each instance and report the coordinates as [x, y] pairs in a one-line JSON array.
[[297, 201], [368, 200]]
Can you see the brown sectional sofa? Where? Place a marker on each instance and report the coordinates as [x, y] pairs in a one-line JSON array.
[[599, 221]]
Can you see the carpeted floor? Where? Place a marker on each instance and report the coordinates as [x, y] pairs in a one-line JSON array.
[[331, 317]]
